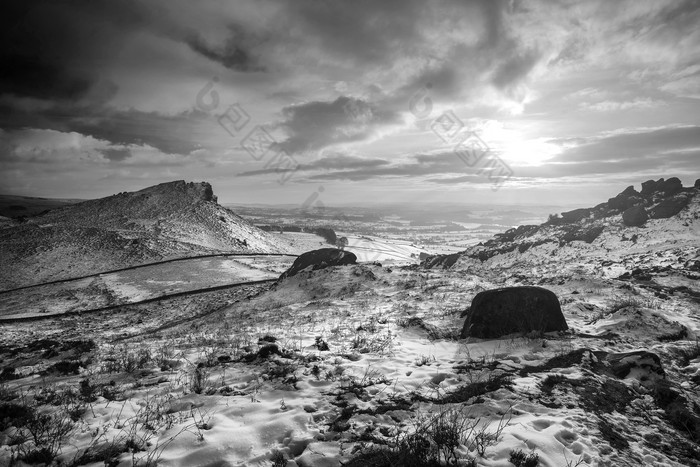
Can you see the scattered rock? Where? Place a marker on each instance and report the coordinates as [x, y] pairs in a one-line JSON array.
[[320, 259], [642, 365], [635, 216], [498, 312]]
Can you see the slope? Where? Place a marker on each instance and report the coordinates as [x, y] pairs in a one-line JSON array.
[[167, 220]]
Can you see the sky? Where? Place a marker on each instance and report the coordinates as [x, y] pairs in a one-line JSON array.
[[350, 102]]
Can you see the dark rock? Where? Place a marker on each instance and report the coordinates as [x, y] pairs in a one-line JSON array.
[[697, 184], [202, 190], [512, 234], [628, 198], [575, 215], [671, 186], [650, 187], [641, 364], [495, 313], [629, 191], [585, 234], [319, 259], [443, 261], [635, 216], [669, 207]]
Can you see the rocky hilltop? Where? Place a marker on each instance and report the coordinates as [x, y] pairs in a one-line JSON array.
[[167, 220], [654, 229]]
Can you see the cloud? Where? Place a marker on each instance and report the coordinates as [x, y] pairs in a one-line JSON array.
[[117, 154], [234, 53], [613, 106], [55, 50], [336, 162], [168, 133], [318, 124], [515, 68], [632, 144]]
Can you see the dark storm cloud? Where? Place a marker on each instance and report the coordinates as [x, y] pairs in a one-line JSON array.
[[318, 124], [54, 49], [55, 52], [169, 133]]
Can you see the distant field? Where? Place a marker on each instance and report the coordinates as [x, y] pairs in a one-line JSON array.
[[383, 249], [138, 284]]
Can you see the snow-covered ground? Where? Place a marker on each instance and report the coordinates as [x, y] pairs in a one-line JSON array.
[[218, 391], [363, 364]]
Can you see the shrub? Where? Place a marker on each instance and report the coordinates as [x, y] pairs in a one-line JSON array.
[[436, 440], [278, 459], [16, 415], [551, 381], [478, 388], [520, 459], [66, 367], [198, 382]]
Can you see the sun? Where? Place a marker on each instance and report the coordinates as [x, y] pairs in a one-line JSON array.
[[518, 146]]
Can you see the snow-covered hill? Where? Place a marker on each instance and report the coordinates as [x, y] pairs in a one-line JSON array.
[[166, 220], [598, 241]]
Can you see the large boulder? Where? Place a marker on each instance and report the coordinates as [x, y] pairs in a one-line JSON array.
[[671, 186], [498, 312], [670, 206], [635, 216], [628, 198], [697, 184], [319, 259], [650, 187]]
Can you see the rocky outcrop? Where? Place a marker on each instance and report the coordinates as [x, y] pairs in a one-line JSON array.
[[443, 261], [576, 215], [635, 216], [205, 191], [582, 234], [628, 198], [658, 199], [319, 259], [669, 207], [671, 186], [498, 312]]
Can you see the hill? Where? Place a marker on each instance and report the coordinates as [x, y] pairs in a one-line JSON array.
[[167, 220], [602, 241], [26, 206]]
